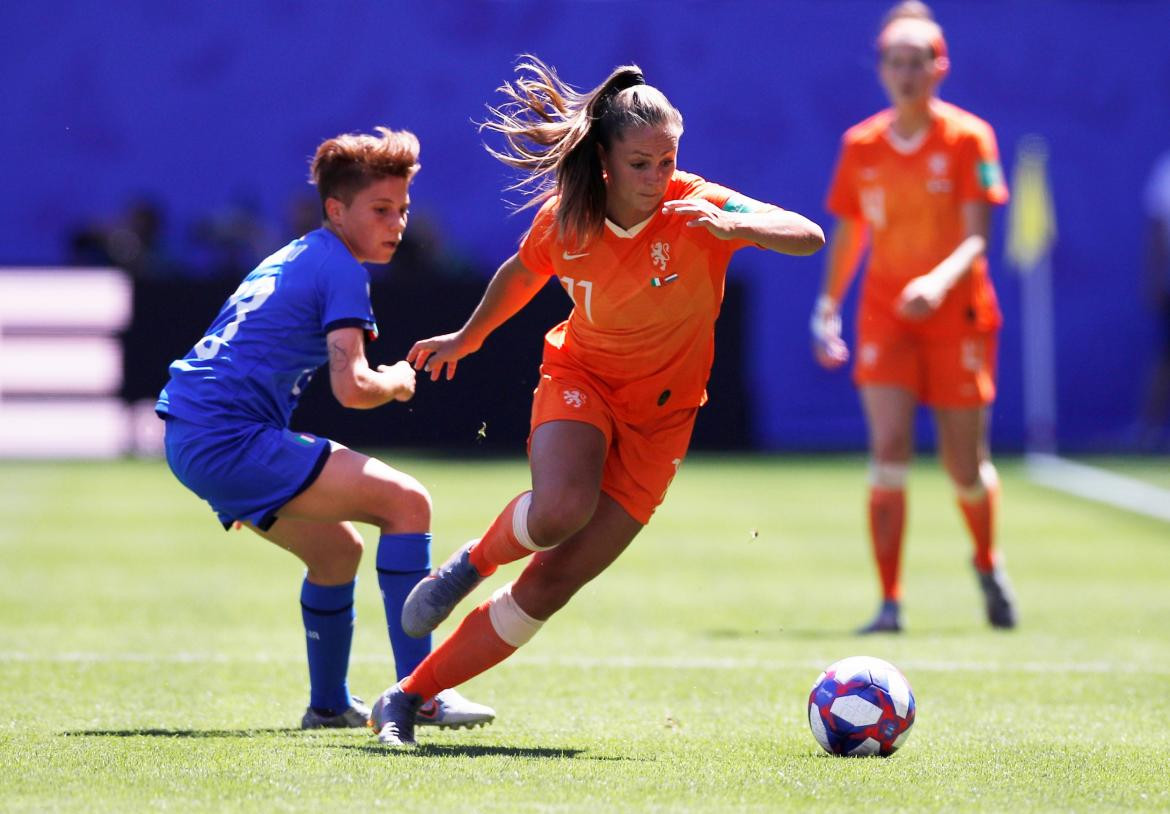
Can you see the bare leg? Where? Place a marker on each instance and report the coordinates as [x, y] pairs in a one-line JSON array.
[[889, 414]]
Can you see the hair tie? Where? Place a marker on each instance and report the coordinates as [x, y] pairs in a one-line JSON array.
[[628, 79]]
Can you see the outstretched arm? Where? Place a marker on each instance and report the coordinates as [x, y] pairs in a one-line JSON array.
[[511, 288], [775, 229], [355, 384]]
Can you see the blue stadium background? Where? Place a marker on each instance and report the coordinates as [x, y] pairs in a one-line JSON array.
[[198, 104]]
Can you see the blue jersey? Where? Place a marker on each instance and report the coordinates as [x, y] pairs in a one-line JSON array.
[[269, 338]]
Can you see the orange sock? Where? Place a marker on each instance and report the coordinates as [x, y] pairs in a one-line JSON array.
[[980, 517], [500, 544], [472, 648], [887, 520]]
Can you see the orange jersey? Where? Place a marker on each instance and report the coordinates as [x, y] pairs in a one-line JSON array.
[[645, 301], [911, 196]]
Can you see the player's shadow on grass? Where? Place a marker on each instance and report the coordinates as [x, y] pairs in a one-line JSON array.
[[179, 733], [482, 750], [809, 633], [424, 750]]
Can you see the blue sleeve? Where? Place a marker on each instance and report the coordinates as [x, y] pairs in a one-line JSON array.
[[345, 286]]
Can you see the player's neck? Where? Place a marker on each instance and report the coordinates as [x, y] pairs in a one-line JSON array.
[[331, 227], [910, 121], [628, 217]]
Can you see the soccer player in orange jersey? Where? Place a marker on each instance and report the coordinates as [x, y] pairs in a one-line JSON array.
[[916, 183], [641, 248]]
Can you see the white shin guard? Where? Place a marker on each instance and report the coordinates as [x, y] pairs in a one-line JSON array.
[[520, 524], [977, 492], [509, 620], [888, 475]]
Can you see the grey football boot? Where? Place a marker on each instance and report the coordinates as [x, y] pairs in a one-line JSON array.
[[887, 620], [392, 717], [437, 594], [356, 715], [998, 596]]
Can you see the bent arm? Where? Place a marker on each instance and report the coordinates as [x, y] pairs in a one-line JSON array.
[[923, 295], [767, 226], [355, 384], [511, 288], [976, 231], [780, 230]]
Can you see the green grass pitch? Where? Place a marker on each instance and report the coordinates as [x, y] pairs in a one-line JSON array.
[[149, 661]]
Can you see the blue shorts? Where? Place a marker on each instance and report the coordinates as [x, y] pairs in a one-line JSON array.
[[245, 471]]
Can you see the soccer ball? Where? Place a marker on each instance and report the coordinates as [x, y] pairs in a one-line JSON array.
[[861, 706]]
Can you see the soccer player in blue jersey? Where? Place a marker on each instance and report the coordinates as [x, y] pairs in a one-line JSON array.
[[228, 402]]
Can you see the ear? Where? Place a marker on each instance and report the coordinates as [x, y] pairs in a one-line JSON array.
[[334, 209], [603, 157]]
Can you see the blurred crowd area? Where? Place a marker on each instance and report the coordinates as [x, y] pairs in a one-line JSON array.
[[225, 243]]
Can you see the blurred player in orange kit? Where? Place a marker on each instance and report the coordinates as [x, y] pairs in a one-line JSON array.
[[641, 248], [916, 182]]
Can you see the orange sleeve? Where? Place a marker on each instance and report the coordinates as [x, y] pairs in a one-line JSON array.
[[536, 246], [980, 173], [730, 201], [842, 199]]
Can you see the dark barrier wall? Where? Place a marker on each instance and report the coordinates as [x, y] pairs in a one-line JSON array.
[[484, 408], [206, 107]]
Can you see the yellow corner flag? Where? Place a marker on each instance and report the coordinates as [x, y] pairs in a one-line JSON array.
[[1031, 219]]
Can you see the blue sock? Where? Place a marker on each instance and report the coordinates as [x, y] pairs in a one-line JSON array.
[[403, 559], [328, 614]]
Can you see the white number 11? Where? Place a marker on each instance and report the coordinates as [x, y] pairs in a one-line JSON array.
[[587, 297]]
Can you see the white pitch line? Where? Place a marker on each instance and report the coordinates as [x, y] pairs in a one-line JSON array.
[[610, 662], [1099, 485]]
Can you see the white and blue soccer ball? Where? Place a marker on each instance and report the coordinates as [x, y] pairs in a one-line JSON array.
[[861, 706]]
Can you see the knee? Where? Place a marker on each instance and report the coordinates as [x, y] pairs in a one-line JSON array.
[[555, 516], [340, 560], [409, 510], [350, 550], [974, 481], [892, 447]]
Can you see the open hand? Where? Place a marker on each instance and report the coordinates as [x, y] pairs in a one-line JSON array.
[[829, 348], [432, 355], [703, 213]]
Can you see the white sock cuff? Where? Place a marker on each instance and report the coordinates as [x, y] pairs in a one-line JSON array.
[[520, 524], [988, 475], [977, 493], [888, 475], [509, 620]]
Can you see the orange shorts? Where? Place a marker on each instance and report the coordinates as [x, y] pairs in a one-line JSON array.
[[941, 372], [643, 457]]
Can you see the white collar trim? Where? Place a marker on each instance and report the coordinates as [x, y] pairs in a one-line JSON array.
[[904, 145], [627, 233]]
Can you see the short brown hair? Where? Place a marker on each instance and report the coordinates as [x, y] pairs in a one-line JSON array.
[[347, 164]]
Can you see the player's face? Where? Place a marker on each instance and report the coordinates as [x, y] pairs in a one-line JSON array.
[[373, 222], [909, 73], [638, 167]]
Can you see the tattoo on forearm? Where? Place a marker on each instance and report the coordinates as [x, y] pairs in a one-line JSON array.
[[338, 357]]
